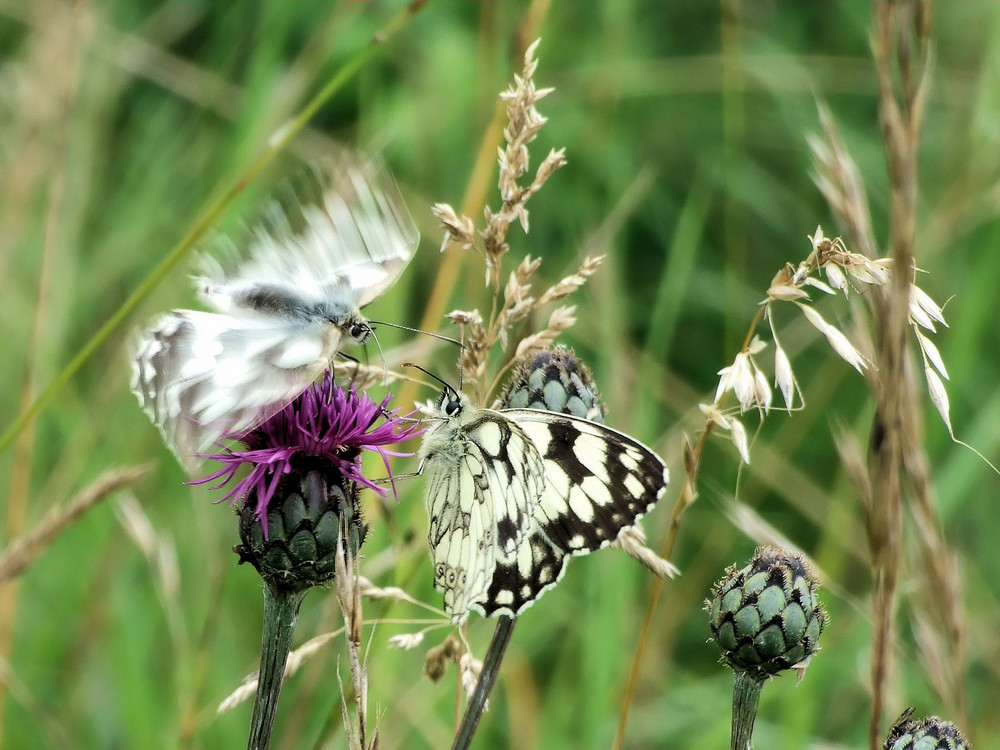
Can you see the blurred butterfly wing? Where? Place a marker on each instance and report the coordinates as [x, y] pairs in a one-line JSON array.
[[201, 376], [376, 232], [340, 234]]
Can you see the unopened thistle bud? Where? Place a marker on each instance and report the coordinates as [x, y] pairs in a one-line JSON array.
[[766, 617], [554, 380], [924, 734]]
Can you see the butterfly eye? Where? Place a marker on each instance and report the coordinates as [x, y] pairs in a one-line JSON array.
[[452, 408], [359, 332]]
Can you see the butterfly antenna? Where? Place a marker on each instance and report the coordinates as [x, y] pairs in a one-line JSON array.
[[430, 374], [381, 354], [450, 340]]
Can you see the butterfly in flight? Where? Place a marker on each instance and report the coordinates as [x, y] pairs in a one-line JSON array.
[[282, 308], [512, 493]]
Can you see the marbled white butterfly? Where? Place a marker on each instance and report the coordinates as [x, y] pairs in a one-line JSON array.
[[512, 493], [282, 308]]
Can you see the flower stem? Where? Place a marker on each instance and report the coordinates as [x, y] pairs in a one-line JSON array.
[[281, 610], [491, 667], [746, 698]]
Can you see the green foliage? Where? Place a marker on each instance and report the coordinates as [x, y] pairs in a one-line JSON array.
[[685, 131]]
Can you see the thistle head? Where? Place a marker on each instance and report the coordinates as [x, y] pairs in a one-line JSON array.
[[766, 617], [301, 492]]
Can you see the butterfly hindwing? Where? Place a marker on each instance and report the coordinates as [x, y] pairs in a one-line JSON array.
[[516, 584], [461, 533], [201, 375]]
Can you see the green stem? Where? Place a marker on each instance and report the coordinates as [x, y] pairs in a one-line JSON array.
[[491, 668], [746, 698], [281, 610], [278, 141]]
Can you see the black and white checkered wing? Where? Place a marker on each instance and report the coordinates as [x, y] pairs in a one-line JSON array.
[[484, 479], [517, 583], [598, 482]]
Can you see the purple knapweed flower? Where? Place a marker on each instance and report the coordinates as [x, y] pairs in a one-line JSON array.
[[323, 425]]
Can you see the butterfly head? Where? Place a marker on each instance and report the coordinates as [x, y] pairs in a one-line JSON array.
[[451, 403], [452, 400]]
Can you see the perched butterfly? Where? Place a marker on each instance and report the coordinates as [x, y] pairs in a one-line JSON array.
[[512, 493], [282, 309]]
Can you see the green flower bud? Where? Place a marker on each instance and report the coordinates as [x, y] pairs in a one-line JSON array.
[[924, 734], [766, 617], [554, 380]]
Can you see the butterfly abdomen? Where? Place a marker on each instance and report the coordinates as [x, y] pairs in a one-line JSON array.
[[273, 299]]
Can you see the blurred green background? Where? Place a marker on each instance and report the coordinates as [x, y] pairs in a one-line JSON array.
[[685, 128]]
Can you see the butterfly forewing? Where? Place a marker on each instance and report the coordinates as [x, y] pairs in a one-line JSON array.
[[598, 481], [514, 474]]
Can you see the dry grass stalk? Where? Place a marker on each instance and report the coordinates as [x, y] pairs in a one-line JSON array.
[[896, 468], [632, 542], [892, 426], [512, 303], [349, 597], [24, 550]]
